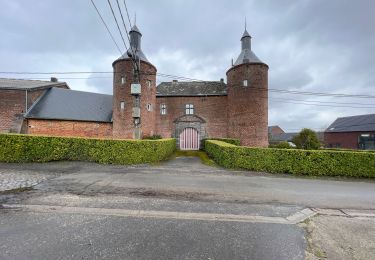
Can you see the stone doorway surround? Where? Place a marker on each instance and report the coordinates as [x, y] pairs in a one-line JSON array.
[[189, 121]]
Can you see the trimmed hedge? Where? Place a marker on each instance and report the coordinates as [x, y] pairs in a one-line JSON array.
[[225, 140], [28, 148], [293, 161]]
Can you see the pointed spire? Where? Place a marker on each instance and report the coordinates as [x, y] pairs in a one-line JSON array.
[[245, 24], [135, 18]]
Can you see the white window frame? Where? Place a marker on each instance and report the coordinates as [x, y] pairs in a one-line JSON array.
[[189, 109], [123, 80], [122, 105], [149, 107], [163, 109], [245, 83], [149, 84]]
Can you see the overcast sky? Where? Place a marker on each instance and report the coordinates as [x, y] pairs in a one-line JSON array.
[[309, 45]]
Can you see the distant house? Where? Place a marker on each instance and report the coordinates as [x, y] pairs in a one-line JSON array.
[[275, 130], [17, 96], [353, 132]]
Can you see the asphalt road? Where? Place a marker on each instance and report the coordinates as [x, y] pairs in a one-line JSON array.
[[176, 210]]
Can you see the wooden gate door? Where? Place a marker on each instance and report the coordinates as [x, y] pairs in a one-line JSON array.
[[189, 139]]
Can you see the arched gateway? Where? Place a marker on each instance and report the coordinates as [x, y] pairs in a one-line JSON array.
[[189, 139]]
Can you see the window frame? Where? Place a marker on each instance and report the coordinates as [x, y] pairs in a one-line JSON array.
[[163, 109], [149, 107], [122, 105], [189, 109], [123, 80], [245, 83]]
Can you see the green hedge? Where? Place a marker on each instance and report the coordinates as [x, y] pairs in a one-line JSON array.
[[301, 162], [225, 140], [28, 148]]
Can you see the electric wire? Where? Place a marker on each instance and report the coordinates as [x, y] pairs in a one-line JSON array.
[[106, 26], [118, 27]]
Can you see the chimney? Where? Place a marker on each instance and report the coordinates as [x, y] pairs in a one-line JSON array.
[[53, 79], [222, 80], [175, 81]]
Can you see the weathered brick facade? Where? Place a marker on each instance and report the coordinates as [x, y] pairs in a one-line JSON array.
[[123, 124], [248, 105], [210, 116], [348, 140], [14, 103], [69, 128]]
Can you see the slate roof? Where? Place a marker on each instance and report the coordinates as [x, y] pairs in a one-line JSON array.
[[285, 137], [191, 88], [361, 123], [66, 104], [23, 84]]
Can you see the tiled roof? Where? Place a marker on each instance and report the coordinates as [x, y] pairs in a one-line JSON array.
[[193, 88], [65, 104], [353, 124], [23, 84]]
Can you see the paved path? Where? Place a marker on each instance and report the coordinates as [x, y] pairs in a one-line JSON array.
[[176, 210]]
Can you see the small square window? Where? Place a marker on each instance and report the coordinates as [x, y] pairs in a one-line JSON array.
[[245, 83], [189, 109], [122, 105], [122, 80], [163, 109], [149, 107]]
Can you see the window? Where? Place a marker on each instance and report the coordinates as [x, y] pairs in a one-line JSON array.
[[366, 142], [149, 107], [163, 109], [122, 105], [189, 109], [122, 80], [245, 83], [149, 83]]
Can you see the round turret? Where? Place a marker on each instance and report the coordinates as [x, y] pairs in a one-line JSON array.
[[247, 82], [128, 123]]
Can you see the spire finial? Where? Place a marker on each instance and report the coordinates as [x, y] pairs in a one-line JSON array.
[[245, 24], [135, 18]]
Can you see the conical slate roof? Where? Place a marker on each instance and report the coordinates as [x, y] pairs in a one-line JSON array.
[[246, 55]]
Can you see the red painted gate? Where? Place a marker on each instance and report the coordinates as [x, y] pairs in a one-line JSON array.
[[189, 139]]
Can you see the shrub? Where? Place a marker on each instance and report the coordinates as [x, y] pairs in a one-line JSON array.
[[226, 140], [306, 139], [281, 145], [28, 148], [152, 137], [293, 161]]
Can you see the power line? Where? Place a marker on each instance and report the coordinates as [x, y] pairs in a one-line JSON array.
[[118, 27], [135, 65], [283, 91], [127, 13], [113, 39]]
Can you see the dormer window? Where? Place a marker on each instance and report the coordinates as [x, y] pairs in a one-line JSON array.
[[245, 83]]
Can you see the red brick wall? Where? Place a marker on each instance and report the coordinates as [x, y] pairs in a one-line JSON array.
[[12, 102], [123, 125], [212, 109], [347, 140], [69, 128], [276, 130], [248, 106]]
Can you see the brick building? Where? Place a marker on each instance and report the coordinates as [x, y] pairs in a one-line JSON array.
[[352, 132], [17, 96], [188, 111]]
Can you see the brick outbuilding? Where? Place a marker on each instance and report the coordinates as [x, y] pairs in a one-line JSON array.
[[352, 132], [189, 111]]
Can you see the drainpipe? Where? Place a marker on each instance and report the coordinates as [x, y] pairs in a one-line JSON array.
[[26, 105]]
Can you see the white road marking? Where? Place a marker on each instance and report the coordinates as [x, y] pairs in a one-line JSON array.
[[293, 219]]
